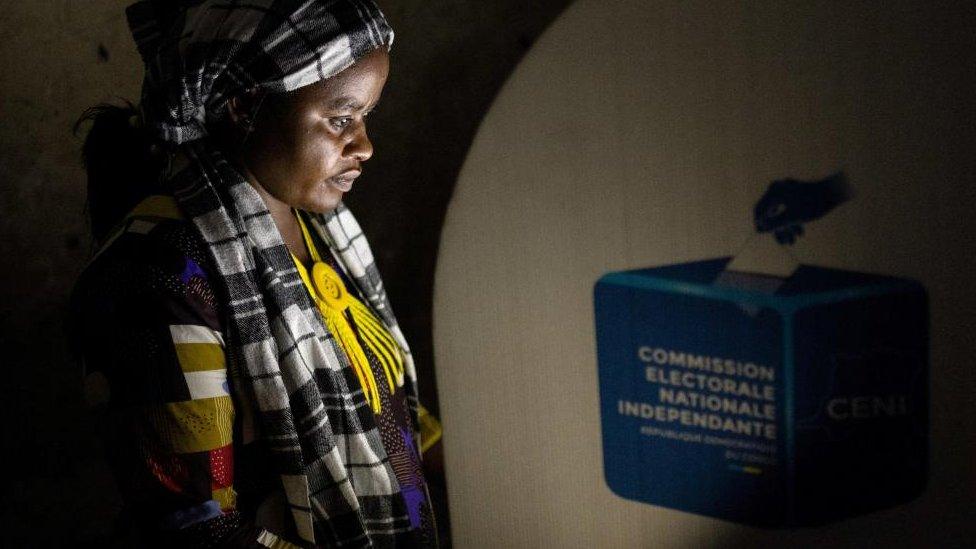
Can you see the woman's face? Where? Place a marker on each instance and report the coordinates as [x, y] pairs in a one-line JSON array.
[[309, 145]]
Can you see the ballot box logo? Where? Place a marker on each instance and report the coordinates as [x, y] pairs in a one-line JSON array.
[[771, 399], [868, 384], [867, 406]]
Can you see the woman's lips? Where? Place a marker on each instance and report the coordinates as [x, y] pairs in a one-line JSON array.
[[343, 182]]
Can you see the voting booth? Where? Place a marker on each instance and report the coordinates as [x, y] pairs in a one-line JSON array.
[[629, 148]]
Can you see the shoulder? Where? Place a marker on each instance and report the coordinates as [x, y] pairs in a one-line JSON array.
[[154, 259]]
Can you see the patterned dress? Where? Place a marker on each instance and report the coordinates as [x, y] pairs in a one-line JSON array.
[[147, 324]]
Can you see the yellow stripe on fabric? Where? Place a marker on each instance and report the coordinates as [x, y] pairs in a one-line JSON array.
[[193, 425], [226, 497], [153, 206], [157, 205], [430, 429], [200, 357]]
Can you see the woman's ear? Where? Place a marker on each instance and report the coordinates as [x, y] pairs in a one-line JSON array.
[[242, 109]]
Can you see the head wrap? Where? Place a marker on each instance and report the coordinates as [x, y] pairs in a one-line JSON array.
[[198, 54], [291, 381]]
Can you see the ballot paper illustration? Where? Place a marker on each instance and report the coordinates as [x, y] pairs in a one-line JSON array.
[[789, 396]]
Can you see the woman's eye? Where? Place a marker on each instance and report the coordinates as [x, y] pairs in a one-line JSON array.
[[341, 122]]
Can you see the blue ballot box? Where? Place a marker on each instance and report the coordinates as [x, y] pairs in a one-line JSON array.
[[781, 408]]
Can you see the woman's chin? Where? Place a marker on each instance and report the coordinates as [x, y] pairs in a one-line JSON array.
[[324, 202]]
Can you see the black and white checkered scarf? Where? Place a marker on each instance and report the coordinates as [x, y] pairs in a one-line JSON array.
[[292, 382]]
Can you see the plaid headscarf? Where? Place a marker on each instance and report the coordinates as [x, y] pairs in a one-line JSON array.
[[292, 381]]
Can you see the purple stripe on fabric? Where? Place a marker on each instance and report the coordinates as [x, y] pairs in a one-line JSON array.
[[414, 498], [188, 517], [412, 487], [190, 270]]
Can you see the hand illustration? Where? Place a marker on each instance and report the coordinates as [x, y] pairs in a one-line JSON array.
[[788, 203]]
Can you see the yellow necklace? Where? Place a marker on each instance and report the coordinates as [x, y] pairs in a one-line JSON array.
[[333, 300]]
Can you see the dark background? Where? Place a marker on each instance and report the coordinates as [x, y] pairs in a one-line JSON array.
[[59, 57]]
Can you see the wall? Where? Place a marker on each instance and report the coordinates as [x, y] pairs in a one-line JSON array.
[[641, 133]]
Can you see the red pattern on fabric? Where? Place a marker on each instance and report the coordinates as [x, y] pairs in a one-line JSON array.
[[222, 467], [169, 470]]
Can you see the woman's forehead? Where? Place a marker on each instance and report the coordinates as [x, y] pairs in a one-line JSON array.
[[354, 88]]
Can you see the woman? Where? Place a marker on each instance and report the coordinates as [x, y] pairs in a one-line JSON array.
[[257, 388]]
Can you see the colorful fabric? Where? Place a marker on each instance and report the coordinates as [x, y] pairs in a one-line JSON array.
[[294, 380], [430, 427], [148, 327], [391, 413], [152, 335]]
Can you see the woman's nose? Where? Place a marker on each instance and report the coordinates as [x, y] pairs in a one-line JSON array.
[[359, 146]]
